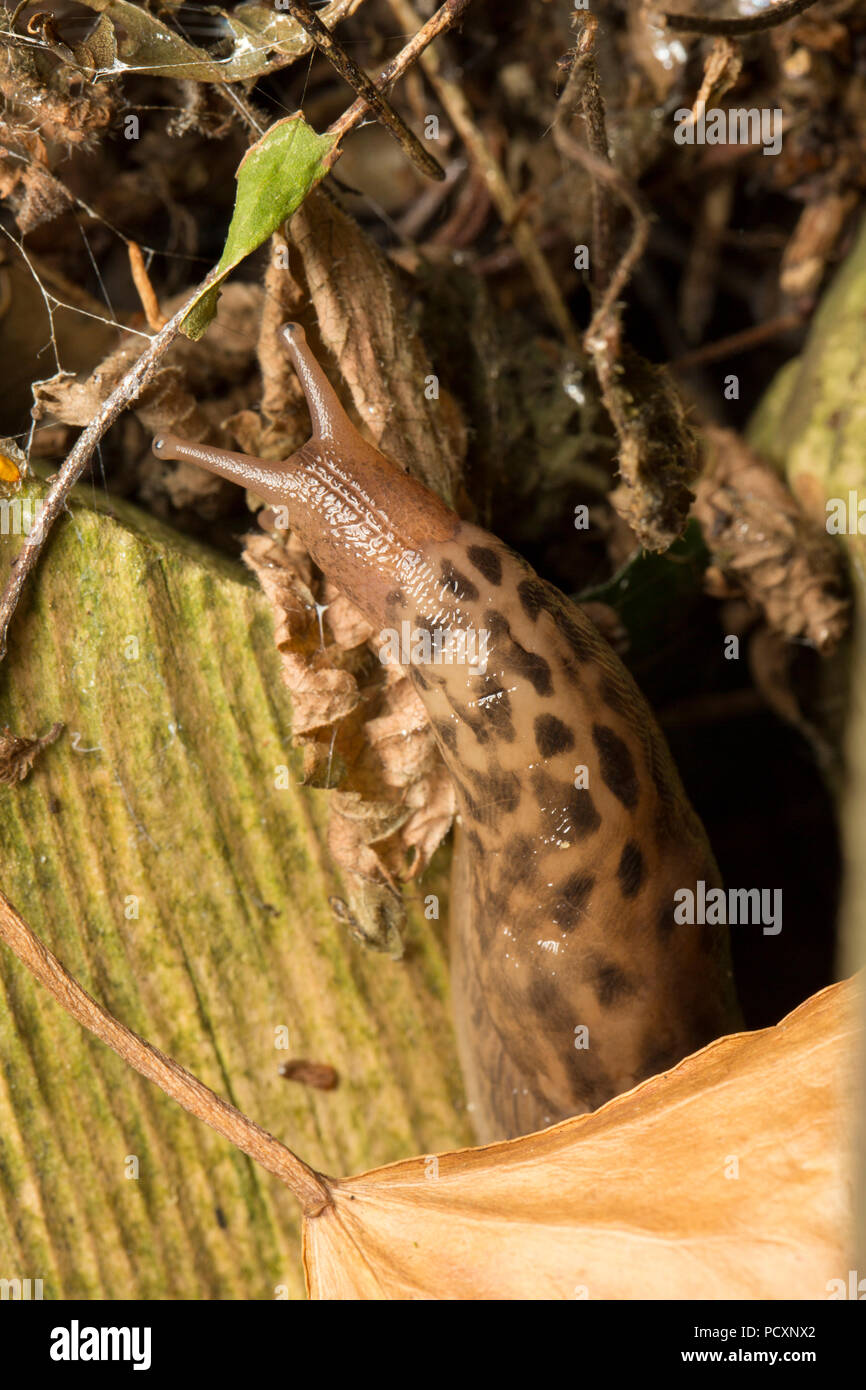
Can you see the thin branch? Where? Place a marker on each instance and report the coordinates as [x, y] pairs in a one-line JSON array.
[[608, 283], [308, 1186], [751, 24], [605, 174], [583, 89], [743, 341], [303, 12], [146, 293], [127, 391], [460, 114], [444, 19]]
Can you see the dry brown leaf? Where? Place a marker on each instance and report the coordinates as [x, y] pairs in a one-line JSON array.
[[813, 242], [726, 1177], [364, 323], [364, 733], [766, 547], [722, 67], [18, 753]]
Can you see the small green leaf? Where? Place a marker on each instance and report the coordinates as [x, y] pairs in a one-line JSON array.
[[273, 178], [653, 594]]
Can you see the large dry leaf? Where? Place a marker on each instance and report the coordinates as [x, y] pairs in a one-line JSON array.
[[723, 1178]]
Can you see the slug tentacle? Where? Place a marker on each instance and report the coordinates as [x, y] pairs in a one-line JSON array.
[[572, 980]]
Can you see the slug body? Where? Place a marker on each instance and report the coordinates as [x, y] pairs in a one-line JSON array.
[[571, 979]]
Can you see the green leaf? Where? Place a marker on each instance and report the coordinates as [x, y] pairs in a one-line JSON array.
[[273, 178], [653, 594]]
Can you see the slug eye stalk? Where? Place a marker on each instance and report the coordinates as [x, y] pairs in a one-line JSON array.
[[331, 428]]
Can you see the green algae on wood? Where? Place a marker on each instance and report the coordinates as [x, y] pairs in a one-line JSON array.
[[155, 851]]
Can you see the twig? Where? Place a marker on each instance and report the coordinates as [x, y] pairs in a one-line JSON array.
[[146, 293], [478, 147], [608, 283], [444, 19], [127, 391], [349, 70], [307, 1185], [751, 24], [605, 174], [583, 89], [743, 341]]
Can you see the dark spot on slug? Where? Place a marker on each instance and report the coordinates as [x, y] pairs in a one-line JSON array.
[[418, 678], [657, 1057], [617, 765], [396, 599], [493, 911], [459, 585], [552, 736], [533, 597], [532, 666], [494, 706], [516, 657], [477, 844], [516, 864], [487, 562], [631, 870], [569, 900], [479, 726], [497, 794], [497, 624], [610, 982], [447, 733], [544, 996], [583, 644], [465, 794], [568, 810]]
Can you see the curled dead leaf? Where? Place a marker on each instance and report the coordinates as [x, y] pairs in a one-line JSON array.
[[659, 456], [767, 548], [726, 1177], [365, 735], [18, 753]]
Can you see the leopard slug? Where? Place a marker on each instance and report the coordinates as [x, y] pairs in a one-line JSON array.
[[572, 980]]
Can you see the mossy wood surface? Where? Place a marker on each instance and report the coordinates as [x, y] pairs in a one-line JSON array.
[[162, 799]]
